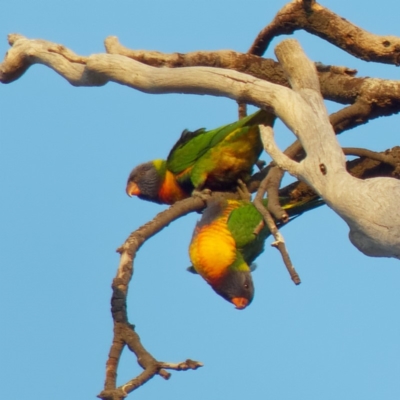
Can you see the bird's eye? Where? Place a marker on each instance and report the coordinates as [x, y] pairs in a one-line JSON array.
[[246, 285]]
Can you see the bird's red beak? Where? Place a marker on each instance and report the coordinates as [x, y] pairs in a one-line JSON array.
[[132, 189], [240, 302]]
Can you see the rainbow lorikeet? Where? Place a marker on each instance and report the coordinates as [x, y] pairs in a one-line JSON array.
[[202, 159], [226, 241]]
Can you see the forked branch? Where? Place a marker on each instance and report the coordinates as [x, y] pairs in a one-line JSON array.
[[124, 332]]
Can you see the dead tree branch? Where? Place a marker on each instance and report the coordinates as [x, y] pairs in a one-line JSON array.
[[369, 97], [319, 21], [124, 332], [363, 204]]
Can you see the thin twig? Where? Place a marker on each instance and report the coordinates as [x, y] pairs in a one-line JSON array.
[[386, 158], [279, 240]]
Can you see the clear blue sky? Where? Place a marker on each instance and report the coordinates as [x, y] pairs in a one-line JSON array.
[[65, 156]]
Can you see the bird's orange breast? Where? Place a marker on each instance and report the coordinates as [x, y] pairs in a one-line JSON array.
[[213, 248], [170, 191]]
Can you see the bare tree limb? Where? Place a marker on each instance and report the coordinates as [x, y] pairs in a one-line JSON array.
[[318, 20], [363, 204], [337, 83], [102, 68], [124, 332]]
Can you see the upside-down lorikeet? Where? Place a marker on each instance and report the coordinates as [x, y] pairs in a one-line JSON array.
[[202, 159], [225, 242]]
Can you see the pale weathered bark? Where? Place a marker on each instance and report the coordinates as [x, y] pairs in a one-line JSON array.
[[370, 207]]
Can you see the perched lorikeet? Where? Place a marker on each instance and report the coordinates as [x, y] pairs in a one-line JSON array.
[[225, 242], [202, 159]]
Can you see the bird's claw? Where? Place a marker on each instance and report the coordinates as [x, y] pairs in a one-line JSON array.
[[203, 194], [243, 191]]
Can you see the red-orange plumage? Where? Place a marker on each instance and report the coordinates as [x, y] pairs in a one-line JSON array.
[[213, 248]]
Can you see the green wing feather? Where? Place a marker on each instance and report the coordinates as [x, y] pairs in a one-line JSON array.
[[187, 149], [245, 219], [191, 146], [242, 223]]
